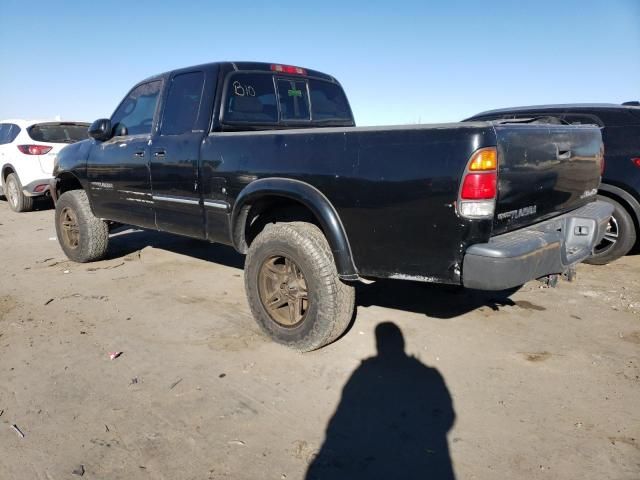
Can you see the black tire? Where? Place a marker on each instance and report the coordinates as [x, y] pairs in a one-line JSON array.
[[82, 236], [619, 239], [329, 301], [18, 201]]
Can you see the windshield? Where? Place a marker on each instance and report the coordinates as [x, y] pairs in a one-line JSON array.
[[59, 132]]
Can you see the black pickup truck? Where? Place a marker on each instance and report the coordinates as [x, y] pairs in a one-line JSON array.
[[266, 158]]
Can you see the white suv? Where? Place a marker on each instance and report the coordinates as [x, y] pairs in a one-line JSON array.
[[27, 152]]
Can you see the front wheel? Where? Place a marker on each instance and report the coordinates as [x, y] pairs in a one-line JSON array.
[[82, 236], [18, 201], [293, 287], [619, 237]]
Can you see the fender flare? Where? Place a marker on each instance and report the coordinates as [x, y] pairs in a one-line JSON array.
[[310, 197], [625, 196], [62, 176]]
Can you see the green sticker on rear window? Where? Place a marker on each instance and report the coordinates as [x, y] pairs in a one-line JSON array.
[[295, 93]]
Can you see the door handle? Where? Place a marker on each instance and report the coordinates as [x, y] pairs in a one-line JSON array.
[[564, 154], [139, 154], [160, 153]]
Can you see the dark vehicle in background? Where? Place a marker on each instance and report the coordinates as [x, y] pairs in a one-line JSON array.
[[266, 158], [620, 185]]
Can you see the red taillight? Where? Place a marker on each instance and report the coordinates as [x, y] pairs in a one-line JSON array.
[[34, 149], [479, 186], [41, 188], [636, 161], [480, 181], [288, 69]]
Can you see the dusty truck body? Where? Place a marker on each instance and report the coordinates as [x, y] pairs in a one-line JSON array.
[[267, 158]]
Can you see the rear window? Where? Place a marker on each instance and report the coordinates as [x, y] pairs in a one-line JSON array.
[[328, 101], [265, 99], [251, 98], [58, 132], [294, 99]]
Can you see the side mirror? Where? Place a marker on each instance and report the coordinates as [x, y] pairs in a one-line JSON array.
[[100, 130]]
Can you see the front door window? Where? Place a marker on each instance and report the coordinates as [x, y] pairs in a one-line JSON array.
[[135, 114]]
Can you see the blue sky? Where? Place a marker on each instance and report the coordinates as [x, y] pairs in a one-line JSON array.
[[399, 61]]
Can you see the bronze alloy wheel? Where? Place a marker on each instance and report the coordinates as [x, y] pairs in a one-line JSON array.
[[293, 287], [70, 229], [283, 291]]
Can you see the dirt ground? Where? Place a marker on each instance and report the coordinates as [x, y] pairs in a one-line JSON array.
[[542, 383]]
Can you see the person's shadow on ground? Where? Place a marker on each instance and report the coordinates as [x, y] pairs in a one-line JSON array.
[[392, 421]]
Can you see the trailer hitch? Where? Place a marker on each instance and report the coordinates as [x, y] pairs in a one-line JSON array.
[[551, 281], [569, 274]]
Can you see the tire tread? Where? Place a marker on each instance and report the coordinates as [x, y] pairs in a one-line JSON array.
[[335, 314], [25, 203], [94, 232]]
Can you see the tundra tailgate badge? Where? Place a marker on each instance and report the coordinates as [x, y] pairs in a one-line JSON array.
[[521, 212]]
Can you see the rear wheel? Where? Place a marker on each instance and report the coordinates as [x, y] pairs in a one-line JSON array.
[[82, 236], [293, 287], [619, 237], [18, 201]]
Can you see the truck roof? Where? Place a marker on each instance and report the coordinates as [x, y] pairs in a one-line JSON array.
[[247, 65]]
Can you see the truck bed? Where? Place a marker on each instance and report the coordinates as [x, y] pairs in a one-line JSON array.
[[395, 188]]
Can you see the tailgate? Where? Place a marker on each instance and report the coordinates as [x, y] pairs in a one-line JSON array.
[[544, 170]]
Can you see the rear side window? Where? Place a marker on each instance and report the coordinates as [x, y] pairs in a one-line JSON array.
[[8, 132], [183, 103], [266, 99], [58, 132], [134, 115], [13, 133]]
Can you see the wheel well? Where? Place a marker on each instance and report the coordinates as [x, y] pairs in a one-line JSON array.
[[6, 171], [270, 209], [66, 182], [627, 207]]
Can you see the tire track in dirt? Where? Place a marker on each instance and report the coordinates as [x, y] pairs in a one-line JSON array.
[[7, 304]]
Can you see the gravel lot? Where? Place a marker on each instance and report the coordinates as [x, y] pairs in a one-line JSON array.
[[542, 383]]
